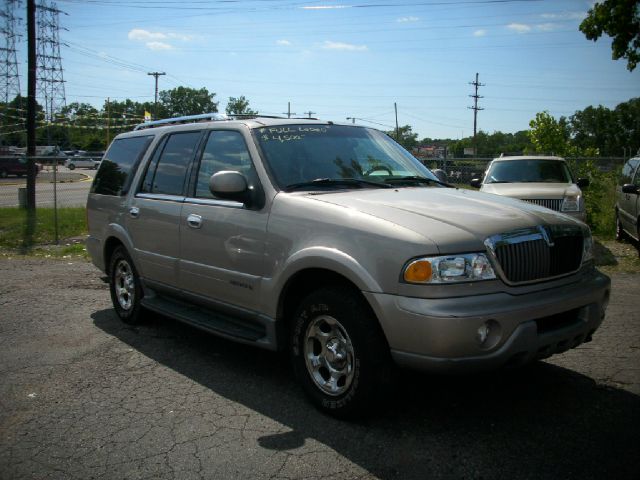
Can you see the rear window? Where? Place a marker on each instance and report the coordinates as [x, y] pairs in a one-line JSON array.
[[118, 166]]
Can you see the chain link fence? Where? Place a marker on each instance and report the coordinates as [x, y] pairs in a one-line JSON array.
[[61, 196]]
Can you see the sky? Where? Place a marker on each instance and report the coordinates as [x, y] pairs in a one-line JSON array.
[[348, 58]]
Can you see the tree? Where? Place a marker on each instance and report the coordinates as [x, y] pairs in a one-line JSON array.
[[407, 138], [619, 19], [186, 101], [549, 135], [239, 106]]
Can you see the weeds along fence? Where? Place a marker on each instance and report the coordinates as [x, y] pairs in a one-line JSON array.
[[58, 189]]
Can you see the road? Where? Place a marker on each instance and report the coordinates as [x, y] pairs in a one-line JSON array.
[[69, 194], [84, 396]]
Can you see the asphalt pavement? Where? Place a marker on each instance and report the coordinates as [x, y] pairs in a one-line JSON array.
[[84, 396]]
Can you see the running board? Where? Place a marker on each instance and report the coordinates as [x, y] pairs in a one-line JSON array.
[[205, 319]]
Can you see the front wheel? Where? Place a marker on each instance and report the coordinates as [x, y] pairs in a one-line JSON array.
[[3, 174], [71, 166], [125, 288], [339, 353]]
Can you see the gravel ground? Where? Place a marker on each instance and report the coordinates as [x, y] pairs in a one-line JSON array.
[[85, 396]]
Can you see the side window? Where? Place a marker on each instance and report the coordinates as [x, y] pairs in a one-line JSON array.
[[167, 170], [225, 150], [119, 165], [627, 171], [636, 180]]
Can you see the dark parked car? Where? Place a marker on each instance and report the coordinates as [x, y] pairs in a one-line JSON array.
[[14, 166], [628, 201]]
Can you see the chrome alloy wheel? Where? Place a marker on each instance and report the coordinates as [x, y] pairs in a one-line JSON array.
[[125, 285], [329, 355]]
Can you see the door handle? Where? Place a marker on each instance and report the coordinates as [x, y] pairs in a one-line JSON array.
[[134, 212], [194, 221]]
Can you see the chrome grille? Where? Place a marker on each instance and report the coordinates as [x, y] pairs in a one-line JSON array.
[[551, 203], [535, 254]]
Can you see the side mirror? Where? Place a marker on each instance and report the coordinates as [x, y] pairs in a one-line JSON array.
[[475, 182], [440, 174], [630, 188], [230, 185], [583, 182]]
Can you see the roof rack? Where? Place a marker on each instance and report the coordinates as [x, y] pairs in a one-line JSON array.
[[185, 119]]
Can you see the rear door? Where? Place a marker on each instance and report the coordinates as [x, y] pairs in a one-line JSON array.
[[222, 242], [153, 216]]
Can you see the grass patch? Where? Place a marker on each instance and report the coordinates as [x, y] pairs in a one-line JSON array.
[[15, 233]]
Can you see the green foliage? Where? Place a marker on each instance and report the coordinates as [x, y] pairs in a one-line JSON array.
[[599, 196], [405, 137], [620, 20], [491, 144], [186, 101], [549, 135], [13, 234], [239, 106]]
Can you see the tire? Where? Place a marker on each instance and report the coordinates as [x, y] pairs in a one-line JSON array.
[[339, 354], [124, 285], [621, 235], [71, 166]]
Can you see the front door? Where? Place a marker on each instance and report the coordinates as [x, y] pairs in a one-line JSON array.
[[222, 242]]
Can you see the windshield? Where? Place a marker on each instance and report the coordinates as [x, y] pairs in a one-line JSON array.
[[324, 156], [518, 171]]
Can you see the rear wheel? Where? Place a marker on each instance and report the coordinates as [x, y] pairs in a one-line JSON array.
[[71, 166], [339, 353], [124, 284], [3, 174]]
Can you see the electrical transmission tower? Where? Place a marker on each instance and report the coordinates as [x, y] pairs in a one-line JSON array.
[[475, 109], [9, 78], [50, 85]]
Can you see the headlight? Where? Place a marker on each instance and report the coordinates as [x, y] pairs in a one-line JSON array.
[[587, 247], [571, 203], [467, 267]]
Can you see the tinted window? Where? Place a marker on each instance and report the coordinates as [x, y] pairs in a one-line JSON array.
[[225, 150], [167, 175], [118, 165]]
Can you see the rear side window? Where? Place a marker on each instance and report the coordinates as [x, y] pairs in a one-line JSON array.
[[119, 164], [167, 172]]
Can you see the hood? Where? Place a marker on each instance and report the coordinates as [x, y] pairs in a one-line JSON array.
[[532, 190], [456, 220]]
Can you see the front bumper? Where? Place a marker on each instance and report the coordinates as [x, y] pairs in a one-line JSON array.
[[441, 334]]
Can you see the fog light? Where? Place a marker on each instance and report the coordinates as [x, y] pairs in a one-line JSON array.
[[483, 333], [489, 334]]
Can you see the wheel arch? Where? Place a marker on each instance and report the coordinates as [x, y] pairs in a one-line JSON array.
[[306, 281]]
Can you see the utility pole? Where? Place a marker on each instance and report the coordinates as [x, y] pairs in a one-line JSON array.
[[288, 112], [309, 113], [475, 109], [31, 106], [155, 105], [395, 107], [108, 119]]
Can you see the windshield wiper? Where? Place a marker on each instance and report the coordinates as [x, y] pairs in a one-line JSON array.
[[500, 181], [416, 179], [337, 182]]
